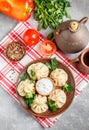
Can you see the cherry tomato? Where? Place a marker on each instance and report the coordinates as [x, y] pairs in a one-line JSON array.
[[48, 48], [31, 37]]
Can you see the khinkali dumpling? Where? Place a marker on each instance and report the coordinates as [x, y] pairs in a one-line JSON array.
[[39, 104], [25, 87], [31, 67], [40, 69], [59, 76], [58, 96], [20, 89]]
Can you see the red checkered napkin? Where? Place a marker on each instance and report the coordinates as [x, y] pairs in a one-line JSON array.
[[9, 71]]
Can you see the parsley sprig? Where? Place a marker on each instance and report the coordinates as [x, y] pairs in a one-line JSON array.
[[52, 64], [24, 77], [29, 99], [52, 105], [68, 88]]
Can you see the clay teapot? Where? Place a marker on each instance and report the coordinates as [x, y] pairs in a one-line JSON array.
[[72, 36]]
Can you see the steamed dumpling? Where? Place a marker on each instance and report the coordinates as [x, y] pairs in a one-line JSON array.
[[20, 89], [58, 96], [29, 87], [31, 67], [39, 104], [40, 99], [25, 87], [40, 69], [39, 108], [59, 76]]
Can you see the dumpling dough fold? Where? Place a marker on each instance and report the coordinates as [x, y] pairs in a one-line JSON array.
[[59, 76], [58, 96], [40, 104]]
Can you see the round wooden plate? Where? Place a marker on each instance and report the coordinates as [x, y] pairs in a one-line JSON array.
[[70, 95]]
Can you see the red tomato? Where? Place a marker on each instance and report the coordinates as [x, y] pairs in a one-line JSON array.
[[31, 37], [48, 47]]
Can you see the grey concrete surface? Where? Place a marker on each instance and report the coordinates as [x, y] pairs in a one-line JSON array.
[[13, 117]]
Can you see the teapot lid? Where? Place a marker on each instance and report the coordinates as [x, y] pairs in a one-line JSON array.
[[73, 26], [71, 31]]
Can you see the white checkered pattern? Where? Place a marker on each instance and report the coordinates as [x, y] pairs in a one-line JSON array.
[[9, 71]]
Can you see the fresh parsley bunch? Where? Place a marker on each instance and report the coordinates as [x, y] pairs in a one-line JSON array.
[[50, 13]]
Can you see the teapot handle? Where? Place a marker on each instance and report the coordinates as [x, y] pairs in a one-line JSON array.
[[83, 20], [75, 60]]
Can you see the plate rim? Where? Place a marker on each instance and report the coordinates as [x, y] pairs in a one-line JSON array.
[[37, 114]]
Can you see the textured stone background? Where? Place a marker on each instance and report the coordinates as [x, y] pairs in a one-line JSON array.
[[13, 117]]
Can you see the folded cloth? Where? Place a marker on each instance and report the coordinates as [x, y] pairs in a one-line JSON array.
[[9, 71]]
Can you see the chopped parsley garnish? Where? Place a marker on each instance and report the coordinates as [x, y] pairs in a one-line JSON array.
[[32, 81], [68, 88], [32, 75], [29, 99], [53, 64], [52, 105], [24, 77]]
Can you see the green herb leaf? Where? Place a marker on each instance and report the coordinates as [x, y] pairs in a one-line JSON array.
[[28, 95], [54, 108], [26, 102], [68, 88], [67, 14], [39, 26], [52, 105], [30, 99], [30, 105], [48, 65], [32, 81], [50, 102], [54, 63], [50, 36], [24, 77], [32, 75]]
